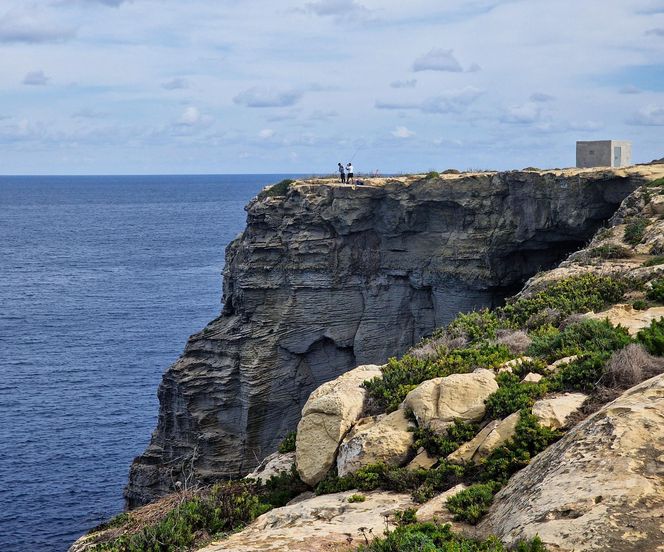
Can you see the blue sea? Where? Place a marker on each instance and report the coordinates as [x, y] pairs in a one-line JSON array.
[[102, 279]]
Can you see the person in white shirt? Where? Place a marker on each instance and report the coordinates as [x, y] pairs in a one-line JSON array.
[[349, 174]]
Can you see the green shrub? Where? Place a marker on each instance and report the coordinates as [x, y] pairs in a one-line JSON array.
[[471, 504], [570, 295], [442, 445], [279, 189], [655, 261], [652, 337], [512, 396], [433, 537], [583, 373], [640, 304], [610, 251], [432, 174], [356, 498], [402, 376], [288, 444], [635, 230], [451, 171], [656, 183], [656, 292], [587, 336], [529, 440], [476, 325]]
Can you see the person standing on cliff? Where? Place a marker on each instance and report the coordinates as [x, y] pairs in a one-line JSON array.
[[342, 173], [349, 174]]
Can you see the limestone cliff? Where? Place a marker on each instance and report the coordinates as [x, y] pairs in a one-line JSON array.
[[328, 277]]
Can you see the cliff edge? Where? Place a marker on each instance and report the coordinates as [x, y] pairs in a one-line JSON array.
[[326, 277]]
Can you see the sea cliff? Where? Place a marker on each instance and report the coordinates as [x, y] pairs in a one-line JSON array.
[[326, 277]]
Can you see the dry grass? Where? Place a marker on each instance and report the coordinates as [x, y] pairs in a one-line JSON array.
[[517, 341], [436, 346], [630, 366]]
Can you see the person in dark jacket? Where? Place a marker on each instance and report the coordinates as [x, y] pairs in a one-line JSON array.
[[342, 173]]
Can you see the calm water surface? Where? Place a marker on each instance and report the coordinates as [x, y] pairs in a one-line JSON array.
[[102, 279]]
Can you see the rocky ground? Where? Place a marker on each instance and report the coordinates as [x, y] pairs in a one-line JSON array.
[[544, 418]]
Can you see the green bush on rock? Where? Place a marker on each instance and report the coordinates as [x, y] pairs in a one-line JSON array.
[[442, 445], [652, 337], [279, 189], [471, 504], [656, 292], [635, 230], [288, 444], [512, 396]]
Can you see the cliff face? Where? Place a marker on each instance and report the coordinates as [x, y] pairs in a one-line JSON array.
[[329, 277]]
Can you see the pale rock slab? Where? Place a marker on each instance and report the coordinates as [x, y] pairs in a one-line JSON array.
[[558, 364], [422, 461], [330, 412], [514, 363], [625, 315], [493, 435], [532, 377], [436, 508], [273, 465], [601, 487], [323, 523], [438, 402], [387, 439], [554, 412]]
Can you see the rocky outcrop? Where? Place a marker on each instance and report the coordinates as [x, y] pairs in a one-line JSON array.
[[600, 488], [272, 466], [388, 439], [327, 278], [493, 435], [322, 523], [553, 412], [438, 402], [330, 412]]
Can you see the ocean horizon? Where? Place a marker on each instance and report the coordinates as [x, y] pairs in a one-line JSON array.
[[102, 280]]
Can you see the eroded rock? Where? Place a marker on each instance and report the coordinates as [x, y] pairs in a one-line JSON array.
[[601, 487], [438, 402], [273, 465], [330, 412], [493, 435], [628, 317], [387, 439], [554, 412]]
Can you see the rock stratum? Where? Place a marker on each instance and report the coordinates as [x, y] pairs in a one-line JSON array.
[[326, 278]]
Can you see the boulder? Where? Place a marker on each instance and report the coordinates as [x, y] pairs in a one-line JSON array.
[[514, 363], [330, 412], [532, 377], [387, 439], [558, 364], [273, 465], [436, 508], [422, 461], [553, 412], [628, 317], [323, 523], [601, 487], [438, 402], [493, 435]]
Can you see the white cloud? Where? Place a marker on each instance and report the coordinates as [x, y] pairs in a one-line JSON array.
[[35, 78], [630, 89], [541, 97], [412, 83], [175, 84], [267, 97], [437, 59], [402, 132], [450, 101], [522, 114], [651, 115], [32, 27], [266, 134], [341, 10], [192, 117]]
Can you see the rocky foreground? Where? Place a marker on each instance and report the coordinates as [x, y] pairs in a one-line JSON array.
[[538, 425]]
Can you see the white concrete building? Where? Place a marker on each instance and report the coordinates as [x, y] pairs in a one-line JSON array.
[[603, 153]]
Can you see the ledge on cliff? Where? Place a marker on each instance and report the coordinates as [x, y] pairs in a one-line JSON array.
[[328, 277]]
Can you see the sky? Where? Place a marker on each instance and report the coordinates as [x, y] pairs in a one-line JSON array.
[[257, 86]]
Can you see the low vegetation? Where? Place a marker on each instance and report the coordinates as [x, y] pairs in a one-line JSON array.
[[635, 229], [656, 291], [288, 444], [433, 537], [441, 445], [471, 504], [277, 190], [655, 261], [610, 251], [652, 337]]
